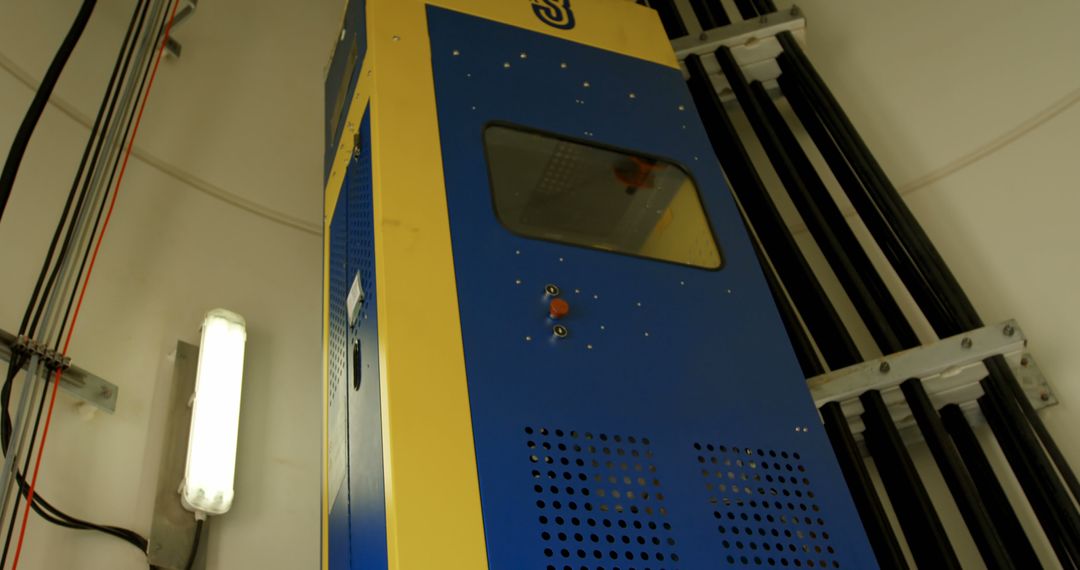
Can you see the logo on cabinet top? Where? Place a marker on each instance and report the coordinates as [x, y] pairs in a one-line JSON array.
[[555, 13]]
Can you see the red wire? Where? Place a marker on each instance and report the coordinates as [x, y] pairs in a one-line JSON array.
[[82, 292]]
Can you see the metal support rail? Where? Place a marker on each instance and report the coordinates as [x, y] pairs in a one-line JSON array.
[[930, 392]]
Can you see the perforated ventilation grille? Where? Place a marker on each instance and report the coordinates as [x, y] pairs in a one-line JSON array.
[[599, 501], [765, 510], [338, 341], [361, 225]]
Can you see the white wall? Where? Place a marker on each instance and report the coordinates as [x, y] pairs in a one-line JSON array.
[[928, 84], [241, 111]]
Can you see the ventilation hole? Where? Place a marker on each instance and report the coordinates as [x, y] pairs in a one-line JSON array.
[[748, 522], [631, 517]]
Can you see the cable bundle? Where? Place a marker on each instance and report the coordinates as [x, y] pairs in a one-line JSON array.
[[102, 163]]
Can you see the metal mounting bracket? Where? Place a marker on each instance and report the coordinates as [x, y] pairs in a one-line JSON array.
[[74, 380], [172, 529], [753, 43], [950, 369], [186, 9]]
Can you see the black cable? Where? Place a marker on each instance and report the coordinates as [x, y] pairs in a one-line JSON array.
[[47, 511], [130, 536], [746, 9], [26, 465], [108, 102], [41, 98], [5, 392], [40, 505], [78, 176], [109, 185], [195, 545], [93, 166]]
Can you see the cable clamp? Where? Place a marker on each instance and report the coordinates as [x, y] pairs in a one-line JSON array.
[[21, 344]]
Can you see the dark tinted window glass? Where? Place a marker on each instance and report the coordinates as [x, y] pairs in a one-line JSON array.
[[559, 190]]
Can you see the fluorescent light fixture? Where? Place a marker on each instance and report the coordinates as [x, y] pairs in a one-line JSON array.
[[215, 415]]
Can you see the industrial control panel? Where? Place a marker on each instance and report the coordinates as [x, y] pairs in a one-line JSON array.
[[624, 392]]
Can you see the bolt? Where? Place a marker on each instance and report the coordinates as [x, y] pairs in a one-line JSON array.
[[560, 331], [551, 290], [1009, 330], [966, 342], [884, 368]]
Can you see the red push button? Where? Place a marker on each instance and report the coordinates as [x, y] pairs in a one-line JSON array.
[[559, 308]]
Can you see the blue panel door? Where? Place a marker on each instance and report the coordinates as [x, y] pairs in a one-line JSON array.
[[358, 512], [671, 428], [367, 506]]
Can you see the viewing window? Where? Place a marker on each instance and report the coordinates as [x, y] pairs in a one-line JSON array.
[[576, 193]]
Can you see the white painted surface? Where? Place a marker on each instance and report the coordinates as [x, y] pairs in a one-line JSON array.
[[242, 110], [928, 83]]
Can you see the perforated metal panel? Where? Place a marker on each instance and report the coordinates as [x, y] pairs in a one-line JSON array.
[[338, 392], [361, 222], [337, 354], [599, 499], [367, 504], [765, 506]]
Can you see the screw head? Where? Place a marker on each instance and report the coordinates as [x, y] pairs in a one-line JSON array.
[[560, 331], [884, 368], [966, 342], [1009, 330], [1044, 397], [552, 290]]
